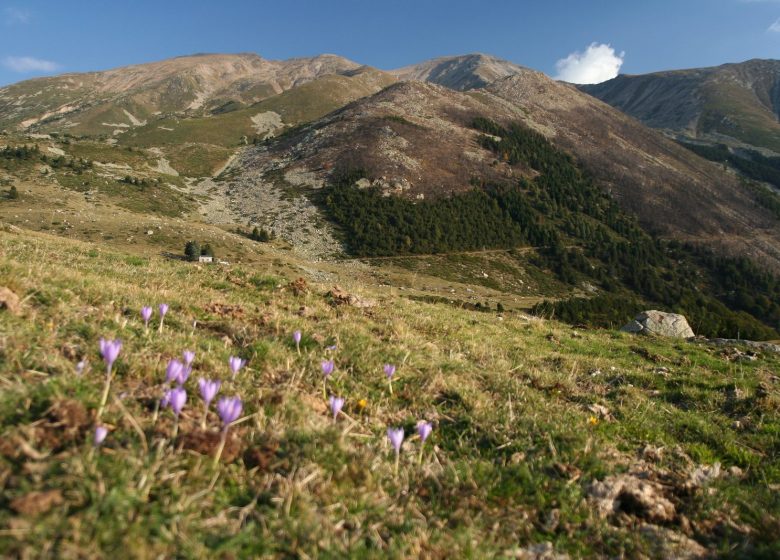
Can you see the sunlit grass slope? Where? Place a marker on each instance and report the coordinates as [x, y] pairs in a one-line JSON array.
[[534, 423]]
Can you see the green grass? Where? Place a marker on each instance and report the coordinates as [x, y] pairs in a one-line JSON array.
[[514, 446], [156, 198]]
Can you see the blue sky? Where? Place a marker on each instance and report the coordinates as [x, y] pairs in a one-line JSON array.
[[39, 37]]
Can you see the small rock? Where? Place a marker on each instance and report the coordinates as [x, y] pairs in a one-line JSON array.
[[703, 475], [299, 286], [9, 301], [338, 296], [667, 543], [735, 471], [600, 411]]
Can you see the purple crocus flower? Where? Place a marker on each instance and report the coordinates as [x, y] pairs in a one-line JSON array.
[[173, 371], [184, 375], [327, 367], [177, 398], [146, 315], [336, 404], [297, 337], [166, 400], [163, 310], [236, 364], [396, 437], [208, 390], [229, 409], [424, 429], [389, 370], [332, 347], [109, 349], [189, 357], [100, 435]]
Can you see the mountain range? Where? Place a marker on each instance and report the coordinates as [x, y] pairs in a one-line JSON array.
[[229, 140]]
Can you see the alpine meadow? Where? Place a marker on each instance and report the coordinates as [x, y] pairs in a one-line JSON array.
[[296, 305]]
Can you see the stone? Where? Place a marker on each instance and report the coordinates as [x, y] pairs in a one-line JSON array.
[[338, 296], [667, 543], [9, 301], [660, 323]]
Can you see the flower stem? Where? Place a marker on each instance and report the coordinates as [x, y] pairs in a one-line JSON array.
[[162, 320], [422, 448], [221, 448], [203, 420], [175, 429], [390, 384], [397, 460], [156, 413], [106, 389]]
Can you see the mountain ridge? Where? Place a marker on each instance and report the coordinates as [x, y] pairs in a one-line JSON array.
[[735, 103]]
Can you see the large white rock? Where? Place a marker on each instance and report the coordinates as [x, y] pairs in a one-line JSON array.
[[660, 324]]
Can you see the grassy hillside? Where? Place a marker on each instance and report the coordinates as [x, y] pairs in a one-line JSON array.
[[303, 103], [594, 441]]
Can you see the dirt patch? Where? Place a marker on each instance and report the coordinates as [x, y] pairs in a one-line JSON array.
[[66, 421], [261, 456], [36, 503], [226, 310], [207, 443]]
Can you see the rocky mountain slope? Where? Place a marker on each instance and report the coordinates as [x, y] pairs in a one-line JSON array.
[[114, 101], [459, 72], [737, 104], [416, 141]]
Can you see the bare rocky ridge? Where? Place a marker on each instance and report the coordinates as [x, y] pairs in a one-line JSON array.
[[459, 72], [738, 104]]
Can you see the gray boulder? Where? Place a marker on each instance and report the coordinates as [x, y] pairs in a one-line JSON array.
[[660, 324]]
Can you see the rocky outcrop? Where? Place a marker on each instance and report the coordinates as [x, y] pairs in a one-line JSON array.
[[660, 324]]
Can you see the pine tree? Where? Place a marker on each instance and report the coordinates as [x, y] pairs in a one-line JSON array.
[[192, 250]]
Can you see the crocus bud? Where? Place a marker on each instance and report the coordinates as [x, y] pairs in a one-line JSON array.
[[100, 435]]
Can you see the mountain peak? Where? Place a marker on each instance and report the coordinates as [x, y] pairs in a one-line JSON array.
[[461, 72]]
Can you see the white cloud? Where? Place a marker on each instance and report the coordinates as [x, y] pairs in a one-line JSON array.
[[597, 64], [26, 64], [15, 15], [775, 27]]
